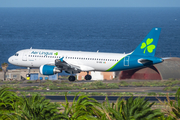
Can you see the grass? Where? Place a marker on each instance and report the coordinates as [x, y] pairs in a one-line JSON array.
[[170, 85]]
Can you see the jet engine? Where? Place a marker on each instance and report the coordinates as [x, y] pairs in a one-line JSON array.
[[49, 70]]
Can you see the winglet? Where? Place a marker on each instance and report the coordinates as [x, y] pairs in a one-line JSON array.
[[61, 59], [149, 44]]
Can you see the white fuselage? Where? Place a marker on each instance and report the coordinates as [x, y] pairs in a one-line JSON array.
[[87, 61]]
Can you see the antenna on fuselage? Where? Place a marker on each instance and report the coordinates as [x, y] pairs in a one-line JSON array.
[[97, 51], [31, 48]]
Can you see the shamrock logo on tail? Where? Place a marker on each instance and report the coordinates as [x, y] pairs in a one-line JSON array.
[[147, 46]]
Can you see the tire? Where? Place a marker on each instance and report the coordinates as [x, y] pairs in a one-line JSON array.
[[28, 75], [72, 78], [88, 77]]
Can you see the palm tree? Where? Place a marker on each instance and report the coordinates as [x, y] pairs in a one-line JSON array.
[[131, 109], [36, 107], [84, 108], [7, 104], [4, 68]]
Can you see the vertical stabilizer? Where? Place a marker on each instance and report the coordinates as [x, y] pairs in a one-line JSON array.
[[149, 44]]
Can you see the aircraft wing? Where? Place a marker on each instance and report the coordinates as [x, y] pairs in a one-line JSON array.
[[70, 68], [61, 64]]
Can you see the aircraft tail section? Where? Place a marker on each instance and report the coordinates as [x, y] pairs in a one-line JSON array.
[[148, 46]]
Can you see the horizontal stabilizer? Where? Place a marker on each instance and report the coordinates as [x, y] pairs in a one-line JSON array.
[[166, 58], [145, 61]]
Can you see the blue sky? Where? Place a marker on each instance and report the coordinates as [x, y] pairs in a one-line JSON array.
[[89, 3]]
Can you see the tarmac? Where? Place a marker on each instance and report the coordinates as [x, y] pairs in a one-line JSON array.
[[103, 98], [122, 89]]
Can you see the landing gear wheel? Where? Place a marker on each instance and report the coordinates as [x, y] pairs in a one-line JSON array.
[[88, 77], [28, 75], [72, 78]]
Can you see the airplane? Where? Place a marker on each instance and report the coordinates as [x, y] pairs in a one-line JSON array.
[[51, 62]]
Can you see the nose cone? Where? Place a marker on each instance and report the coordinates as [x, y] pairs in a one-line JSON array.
[[10, 60]]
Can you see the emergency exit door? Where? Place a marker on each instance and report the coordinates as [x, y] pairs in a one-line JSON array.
[[126, 61]]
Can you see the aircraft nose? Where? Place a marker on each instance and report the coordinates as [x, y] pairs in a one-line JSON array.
[[10, 60]]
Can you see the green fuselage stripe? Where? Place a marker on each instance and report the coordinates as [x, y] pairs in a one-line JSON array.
[[115, 64]]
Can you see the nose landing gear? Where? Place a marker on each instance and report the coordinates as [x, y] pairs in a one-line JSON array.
[[28, 75]]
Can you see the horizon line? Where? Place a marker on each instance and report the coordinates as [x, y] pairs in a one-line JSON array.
[[97, 7]]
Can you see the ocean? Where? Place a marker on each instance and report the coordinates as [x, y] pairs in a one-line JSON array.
[[115, 30]]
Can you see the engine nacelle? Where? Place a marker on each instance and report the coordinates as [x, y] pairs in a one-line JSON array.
[[48, 70]]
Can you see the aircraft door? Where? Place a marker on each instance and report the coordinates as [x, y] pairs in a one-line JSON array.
[[24, 58], [126, 61]]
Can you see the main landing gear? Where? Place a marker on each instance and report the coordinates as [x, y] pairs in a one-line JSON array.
[[88, 77], [72, 78]]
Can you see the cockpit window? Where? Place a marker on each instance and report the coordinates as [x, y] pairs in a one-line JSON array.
[[16, 54]]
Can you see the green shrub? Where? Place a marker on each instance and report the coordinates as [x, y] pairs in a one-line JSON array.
[[123, 83], [27, 88], [30, 81], [113, 86], [152, 93], [53, 87], [167, 88], [94, 93], [172, 79], [172, 107], [161, 94]]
